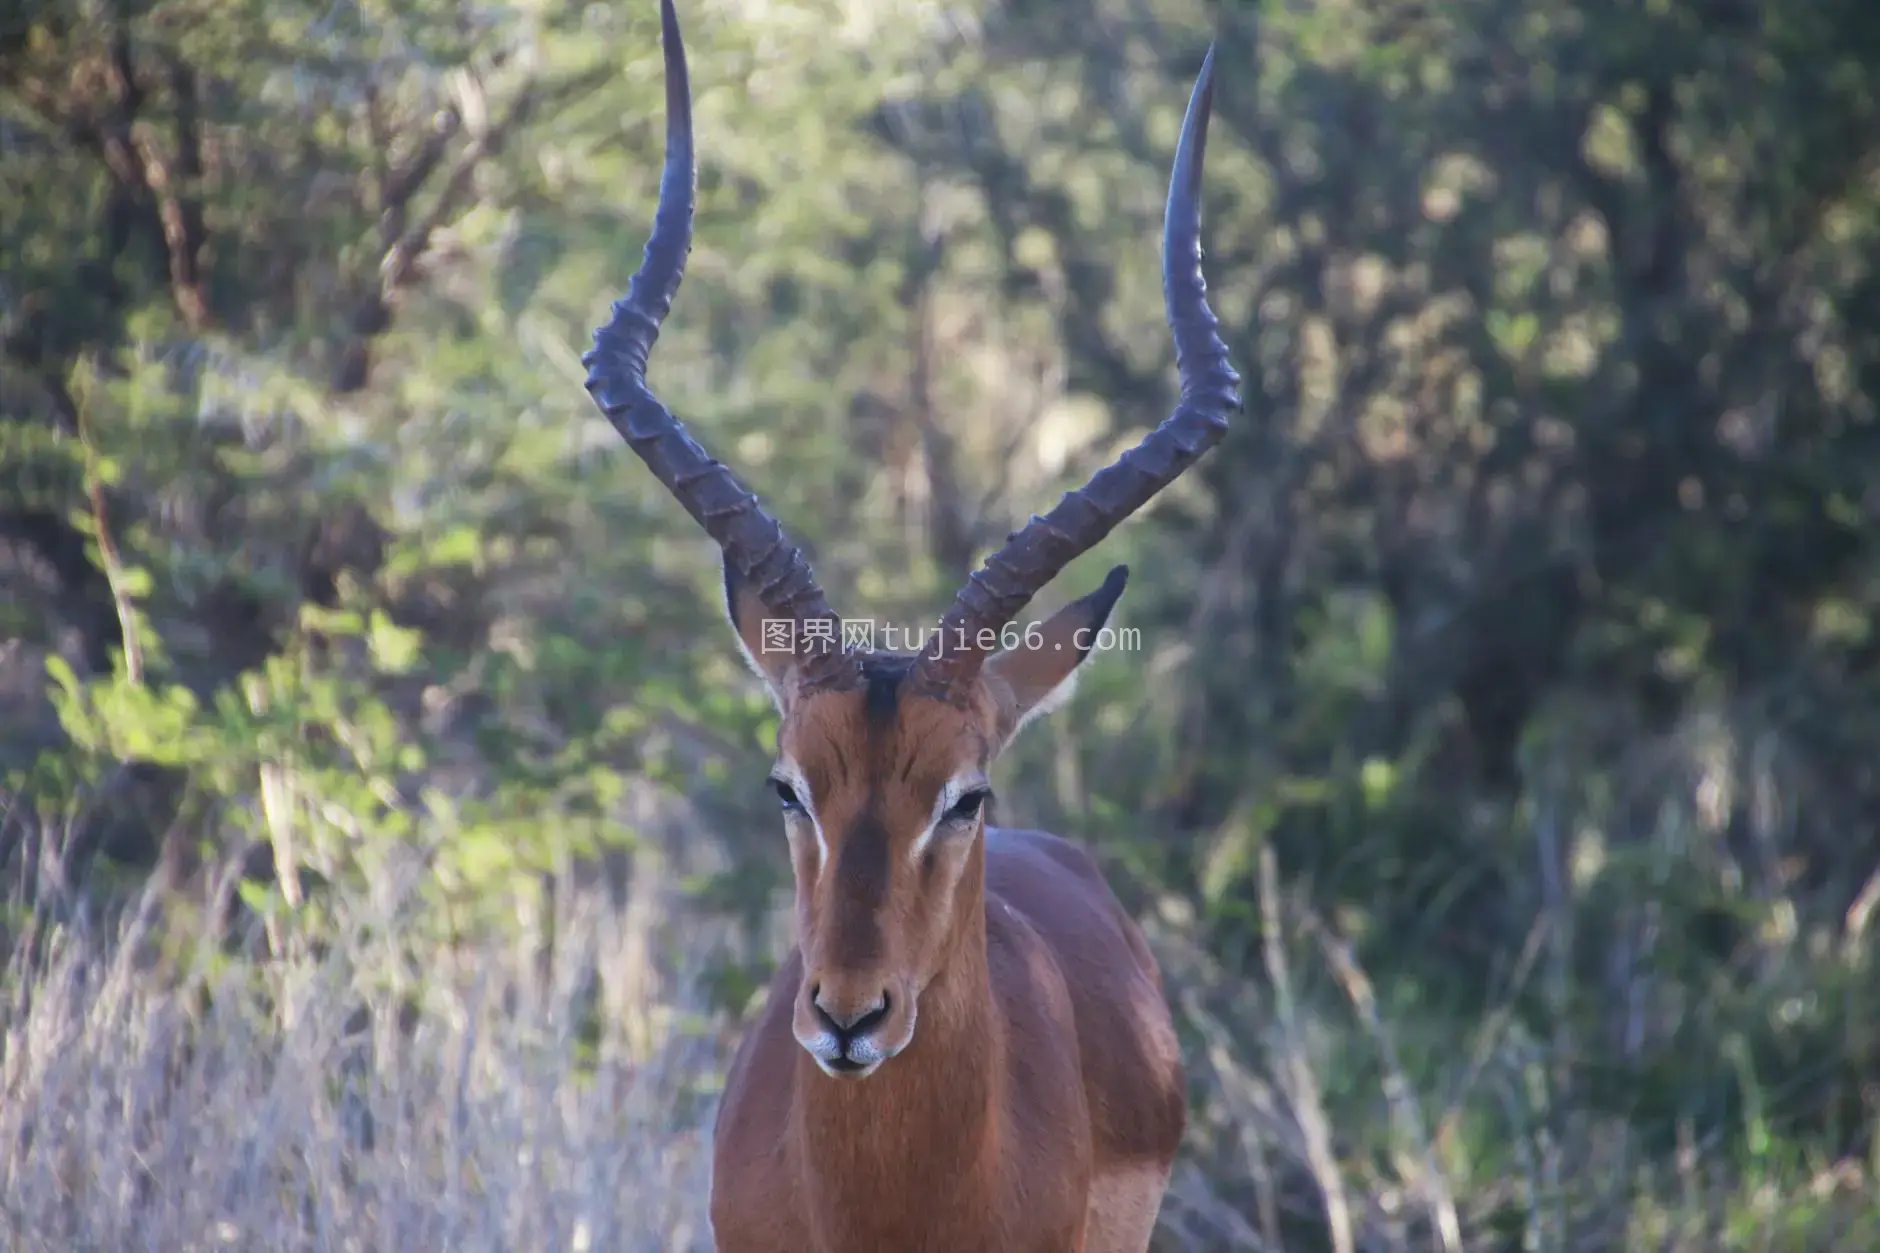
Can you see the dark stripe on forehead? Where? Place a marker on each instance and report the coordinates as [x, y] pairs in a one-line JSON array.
[[885, 674], [861, 890]]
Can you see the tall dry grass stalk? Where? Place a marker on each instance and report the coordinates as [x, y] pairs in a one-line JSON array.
[[302, 1105]]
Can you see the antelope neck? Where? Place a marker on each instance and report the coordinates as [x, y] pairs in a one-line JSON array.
[[927, 1112]]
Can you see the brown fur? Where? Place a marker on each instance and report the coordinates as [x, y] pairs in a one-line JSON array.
[[1036, 1100]]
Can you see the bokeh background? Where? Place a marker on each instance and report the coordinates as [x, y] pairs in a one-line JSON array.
[[384, 853]]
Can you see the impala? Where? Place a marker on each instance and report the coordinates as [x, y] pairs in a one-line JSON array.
[[969, 1049]]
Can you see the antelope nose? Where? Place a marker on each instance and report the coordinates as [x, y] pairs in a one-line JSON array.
[[848, 1023]]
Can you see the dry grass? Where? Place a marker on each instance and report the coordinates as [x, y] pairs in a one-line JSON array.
[[256, 1108], [401, 1095], [1312, 1130]]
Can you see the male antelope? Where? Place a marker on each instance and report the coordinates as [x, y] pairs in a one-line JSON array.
[[969, 1050]]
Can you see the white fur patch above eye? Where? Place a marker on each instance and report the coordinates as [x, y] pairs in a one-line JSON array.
[[948, 798], [790, 773]]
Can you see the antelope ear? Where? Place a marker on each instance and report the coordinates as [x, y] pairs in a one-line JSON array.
[[769, 644], [1039, 672]]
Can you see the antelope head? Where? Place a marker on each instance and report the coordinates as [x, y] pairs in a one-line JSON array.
[[884, 759]]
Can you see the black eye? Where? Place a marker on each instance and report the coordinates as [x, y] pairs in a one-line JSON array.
[[786, 795], [966, 808]]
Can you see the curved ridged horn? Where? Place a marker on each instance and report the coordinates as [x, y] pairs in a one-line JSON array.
[[1034, 555], [753, 542]]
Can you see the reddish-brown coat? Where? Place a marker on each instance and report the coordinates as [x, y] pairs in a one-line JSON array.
[[1042, 1062], [1002, 1072]]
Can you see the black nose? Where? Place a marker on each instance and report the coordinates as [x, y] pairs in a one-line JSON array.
[[847, 1026]]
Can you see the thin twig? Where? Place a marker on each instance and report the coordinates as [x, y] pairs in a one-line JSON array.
[[107, 548], [1434, 1186], [1303, 1085]]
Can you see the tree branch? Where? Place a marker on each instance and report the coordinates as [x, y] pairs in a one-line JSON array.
[[177, 189]]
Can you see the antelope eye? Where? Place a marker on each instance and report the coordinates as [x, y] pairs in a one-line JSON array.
[[967, 807], [786, 796]]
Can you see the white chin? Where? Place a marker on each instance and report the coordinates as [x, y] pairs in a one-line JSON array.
[[836, 1068]]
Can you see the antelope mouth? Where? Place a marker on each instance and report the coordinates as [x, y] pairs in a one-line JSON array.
[[846, 1059]]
